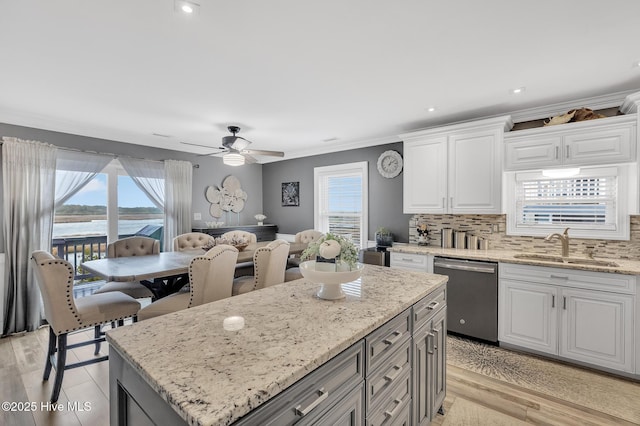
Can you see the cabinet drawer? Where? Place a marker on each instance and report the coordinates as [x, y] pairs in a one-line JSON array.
[[393, 370], [313, 394], [601, 281], [394, 410], [427, 307], [385, 340], [416, 262]]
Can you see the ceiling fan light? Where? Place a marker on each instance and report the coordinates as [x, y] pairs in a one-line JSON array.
[[233, 159]]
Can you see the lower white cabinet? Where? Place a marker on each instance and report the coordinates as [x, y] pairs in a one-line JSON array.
[[412, 261], [546, 310], [527, 315]]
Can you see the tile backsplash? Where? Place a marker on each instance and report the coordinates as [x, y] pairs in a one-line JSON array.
[[492, 228]]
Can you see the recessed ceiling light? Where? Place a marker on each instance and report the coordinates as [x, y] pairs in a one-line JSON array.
[[517, 90], [186, 7], [331, 139], [431, 109]]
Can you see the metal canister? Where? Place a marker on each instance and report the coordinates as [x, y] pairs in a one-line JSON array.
[[472, 242], [447, 237], [483, 244], [459, 238]]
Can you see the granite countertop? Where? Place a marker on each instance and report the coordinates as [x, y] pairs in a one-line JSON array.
[[624, 266], [210, 375]]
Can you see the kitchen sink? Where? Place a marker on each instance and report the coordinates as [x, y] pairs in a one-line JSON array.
[[567, 260]]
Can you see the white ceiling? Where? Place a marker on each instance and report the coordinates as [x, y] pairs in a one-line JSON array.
[[294, 73]]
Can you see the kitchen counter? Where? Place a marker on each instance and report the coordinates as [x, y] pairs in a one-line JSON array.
[[627, 267], [210, 375]]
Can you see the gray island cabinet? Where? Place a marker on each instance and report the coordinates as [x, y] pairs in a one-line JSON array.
[[376, 357]]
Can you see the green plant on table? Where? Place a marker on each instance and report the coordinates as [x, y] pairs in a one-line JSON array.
[[348, 251]]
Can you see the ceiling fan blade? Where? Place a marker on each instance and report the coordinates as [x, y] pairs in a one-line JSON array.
[[235, 142], [249, 159], [212, 153], [203, 146], [262, 152]]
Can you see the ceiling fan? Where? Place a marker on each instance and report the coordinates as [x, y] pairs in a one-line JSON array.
[[234, 149]]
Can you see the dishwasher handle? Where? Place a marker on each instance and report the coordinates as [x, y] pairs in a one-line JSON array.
[[475, 267]]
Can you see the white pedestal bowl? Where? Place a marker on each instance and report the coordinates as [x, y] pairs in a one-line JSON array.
[[330, 281]]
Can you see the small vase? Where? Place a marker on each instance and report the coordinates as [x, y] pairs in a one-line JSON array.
[[422, 240]]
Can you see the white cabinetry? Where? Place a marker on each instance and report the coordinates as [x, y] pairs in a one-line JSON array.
[[454, 169], [578, 315], [412, 261], [602, 141]]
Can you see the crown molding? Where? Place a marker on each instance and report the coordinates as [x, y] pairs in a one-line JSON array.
[[504, 122], [631, 104], [597, 102]]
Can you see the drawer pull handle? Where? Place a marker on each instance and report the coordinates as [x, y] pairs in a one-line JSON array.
[[391, 414], [553, 300], [405, 259], [391, 377], [433, 305], [322, 395], [391, 341], [559, 277]]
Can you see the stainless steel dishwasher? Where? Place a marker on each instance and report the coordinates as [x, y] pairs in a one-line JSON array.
[[472, 297]]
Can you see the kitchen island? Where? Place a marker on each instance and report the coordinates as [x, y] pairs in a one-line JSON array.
[[193, 363]]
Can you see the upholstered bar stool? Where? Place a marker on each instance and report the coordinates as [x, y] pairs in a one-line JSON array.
[[66, 314], [269, 263], [211, 278], [125, 247]]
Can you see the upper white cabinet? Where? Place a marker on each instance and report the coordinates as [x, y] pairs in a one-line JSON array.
[[454, 169], [601, 141]]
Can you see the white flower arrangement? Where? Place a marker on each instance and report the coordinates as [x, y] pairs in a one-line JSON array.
[[327, 247]]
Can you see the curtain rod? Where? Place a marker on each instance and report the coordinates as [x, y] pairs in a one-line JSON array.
[[195, 166]]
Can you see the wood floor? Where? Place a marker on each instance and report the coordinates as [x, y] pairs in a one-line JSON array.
[[472, 399]]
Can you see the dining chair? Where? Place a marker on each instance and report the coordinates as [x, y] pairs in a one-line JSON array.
[[66, 314], [307, 236], [249, 237], [211, 278], [269, 263], [192, 240], [126, 247]]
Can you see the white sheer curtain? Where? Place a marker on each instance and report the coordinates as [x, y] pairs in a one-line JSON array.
[[148, 176], [28, 172], [75, 170], [178, 184]]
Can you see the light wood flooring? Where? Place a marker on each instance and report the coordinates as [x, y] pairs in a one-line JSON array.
[[472, 399]]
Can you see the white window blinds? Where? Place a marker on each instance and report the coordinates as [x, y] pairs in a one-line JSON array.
[[586, 201]]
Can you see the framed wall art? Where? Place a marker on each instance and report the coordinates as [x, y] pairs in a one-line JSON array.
[[290, 194]]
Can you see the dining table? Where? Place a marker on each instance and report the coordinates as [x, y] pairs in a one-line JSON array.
[[167, 272]]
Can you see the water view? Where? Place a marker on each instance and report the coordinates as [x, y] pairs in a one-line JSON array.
[[99, 227]]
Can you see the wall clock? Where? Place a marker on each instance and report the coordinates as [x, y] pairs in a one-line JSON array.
[[390, 164]]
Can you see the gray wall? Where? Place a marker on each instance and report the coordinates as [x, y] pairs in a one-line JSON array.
[[211, 171], [385, 195]]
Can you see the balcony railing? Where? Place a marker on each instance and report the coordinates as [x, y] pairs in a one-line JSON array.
[[78, 249]]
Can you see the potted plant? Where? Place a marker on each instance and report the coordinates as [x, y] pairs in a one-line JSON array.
[[384, 237], [332, 246]]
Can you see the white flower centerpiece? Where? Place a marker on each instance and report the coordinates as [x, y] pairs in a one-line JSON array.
[[333, 260]]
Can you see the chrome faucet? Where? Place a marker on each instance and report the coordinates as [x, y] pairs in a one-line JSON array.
[[564, 239]]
